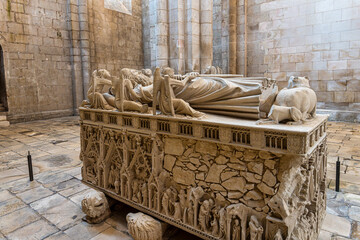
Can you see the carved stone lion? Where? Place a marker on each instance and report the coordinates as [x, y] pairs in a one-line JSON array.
[[143, 227], [96, 207]]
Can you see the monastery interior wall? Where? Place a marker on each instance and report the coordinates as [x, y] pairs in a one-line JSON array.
[[50, 48]]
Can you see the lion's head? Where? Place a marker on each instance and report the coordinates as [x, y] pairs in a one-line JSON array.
[[94, 204], [143, 227]]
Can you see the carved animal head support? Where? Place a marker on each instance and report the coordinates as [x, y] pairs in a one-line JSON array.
[[143, 227], [298, 82], [94, 204]]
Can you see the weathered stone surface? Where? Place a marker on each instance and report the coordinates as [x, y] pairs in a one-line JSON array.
[[217, 187], [84, 230], [250, 177], [255, 204], [270, 164], [188, 152], [191, 167], [221, 160], [214, 173], [200, 176], [239, 154], [235, 195], [269, 178], [195, 161], [183, 177], [206, 148], [265, 155], [266, 189], [226, 175], [10, 205], [249, 154], [203, 168], [253, 195], [35, 194], [5, 195], [237, 166], [37, 230], [58, 210], [354, 213], [338, 225], [255, 167], [174, 146], [352, 199], [169, 162], [17, 219], [235, 184]]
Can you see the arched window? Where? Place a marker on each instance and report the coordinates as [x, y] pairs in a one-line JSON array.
[[123, 6], [3, 98]]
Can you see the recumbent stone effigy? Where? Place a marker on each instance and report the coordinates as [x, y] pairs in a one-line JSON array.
[[189, 151]]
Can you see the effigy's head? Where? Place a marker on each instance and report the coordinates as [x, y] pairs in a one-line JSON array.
[[103, 73], [94, 204], [168, 71], [147, 72]]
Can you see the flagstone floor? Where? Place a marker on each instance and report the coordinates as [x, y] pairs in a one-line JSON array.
[[50, 206]]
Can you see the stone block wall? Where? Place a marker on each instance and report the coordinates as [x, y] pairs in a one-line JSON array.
[[50, 48], [115, 38], [36, 45], [318, 39]]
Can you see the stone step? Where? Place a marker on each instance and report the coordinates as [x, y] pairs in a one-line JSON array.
[[2, 117], [4, 123]]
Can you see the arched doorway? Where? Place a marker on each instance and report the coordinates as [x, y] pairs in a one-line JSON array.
[[3, 98]]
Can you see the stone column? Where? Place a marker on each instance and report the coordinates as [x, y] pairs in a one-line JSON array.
[[192, 40], [232, 36], [177, 35], [75, 55], [206, 30], [159, 33], [84, 44]]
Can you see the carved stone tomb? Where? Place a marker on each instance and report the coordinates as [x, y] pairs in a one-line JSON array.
[[217, 177]]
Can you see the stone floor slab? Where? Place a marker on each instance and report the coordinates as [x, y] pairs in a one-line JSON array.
[[36, 230], [10, 205], [85, 231], [324, 235], [34, 194], [111, 234], [17, 219], [337, 225], [59, 236], [354, 213], [5, 195], [58, 210]]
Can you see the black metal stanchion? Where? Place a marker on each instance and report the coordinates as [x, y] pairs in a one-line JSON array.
[[337, 180], [31, 175]]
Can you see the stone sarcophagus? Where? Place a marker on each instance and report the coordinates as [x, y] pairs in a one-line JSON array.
[[216, 177]]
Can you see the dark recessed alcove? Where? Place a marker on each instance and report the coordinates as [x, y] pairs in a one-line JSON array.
[[3, 98]]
